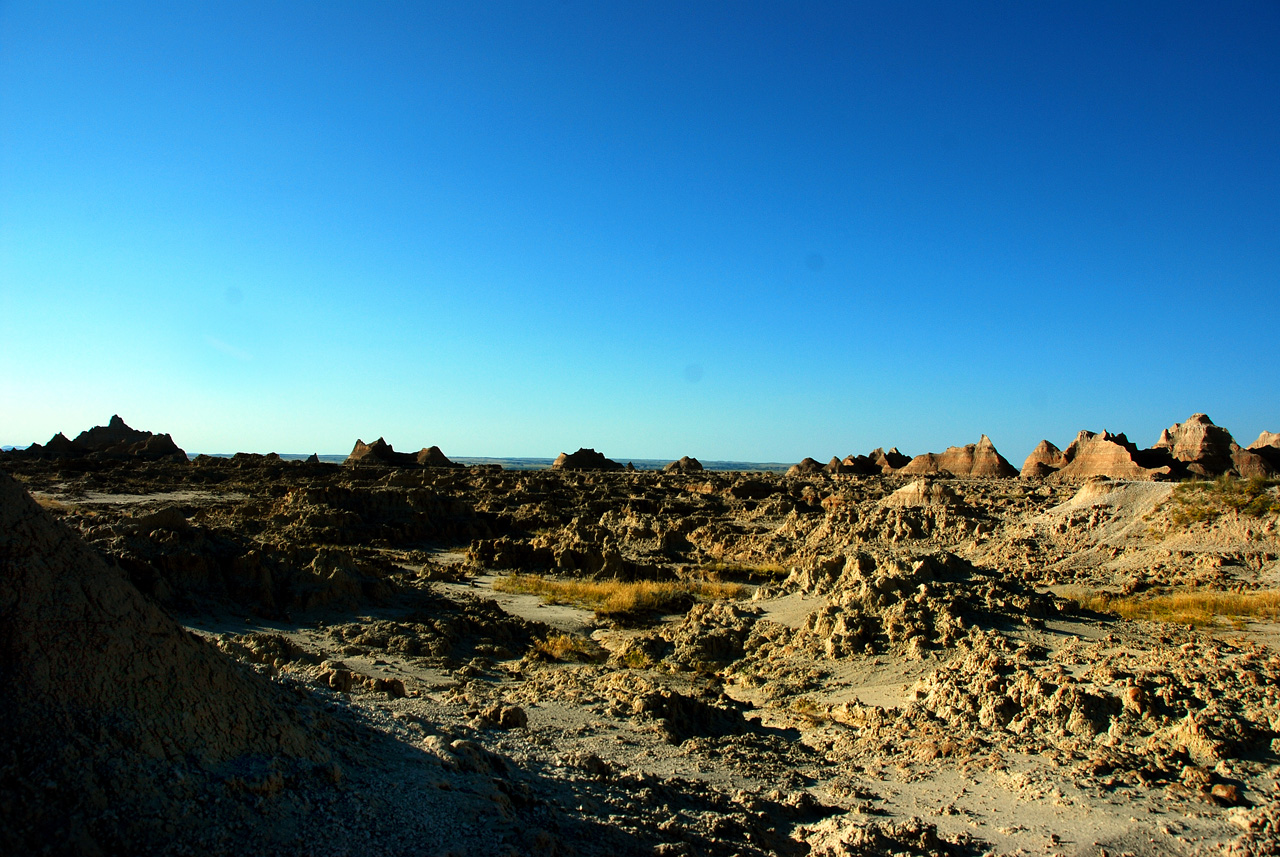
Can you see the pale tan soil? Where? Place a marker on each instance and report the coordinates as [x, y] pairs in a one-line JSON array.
[[915, 664]]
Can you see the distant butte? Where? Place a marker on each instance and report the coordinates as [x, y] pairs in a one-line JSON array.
[[972, 459], [1195, 448], [115, 440], [584, 459], [381, 454]]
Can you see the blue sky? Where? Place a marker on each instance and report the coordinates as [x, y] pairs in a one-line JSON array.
[[751, 231]]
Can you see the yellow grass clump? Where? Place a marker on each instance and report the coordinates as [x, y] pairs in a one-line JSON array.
[[570, 648], [57, 507], [721, 571], [1204, 502], [616, 596], [1198, 608]]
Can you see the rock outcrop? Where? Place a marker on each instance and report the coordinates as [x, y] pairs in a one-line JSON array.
[[973, 459], [1195, 448], [807, 467], [1204, 448], [1105, 454], [836, 466], [1266, 439], [921, 492], [684, 465], [1043, 460], [888, 461], [1266, 447], [584, 459], [105, 693], [114, 440], [433, 457], [380, 453], [876, 462]]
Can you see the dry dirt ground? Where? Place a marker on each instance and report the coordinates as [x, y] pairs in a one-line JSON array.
[[902, 673]]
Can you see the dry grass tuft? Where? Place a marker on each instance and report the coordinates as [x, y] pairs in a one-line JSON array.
[[1197, 608], [571, 649], [1197, 502], [729, 571], [57, 507], [616, 597]]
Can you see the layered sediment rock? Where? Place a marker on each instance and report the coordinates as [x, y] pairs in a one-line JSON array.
[[1266, 439], [1105, 454], [1043, 460], [433, 457], [973, 459], [684, 465], [876, 462], [114, 440], [584, 459], [1195, 448], [921, 492], [1205, 449], [380, 453], [888, 461], [806, 467]]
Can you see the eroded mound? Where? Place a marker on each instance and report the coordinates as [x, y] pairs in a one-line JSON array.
[[104, 692]]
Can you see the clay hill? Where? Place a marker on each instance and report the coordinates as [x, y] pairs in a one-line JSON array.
[[106, 696], [115, 440], [684, 464], [972, 459], [380, 453], [1195, 448], [877, 462], [584, 459]]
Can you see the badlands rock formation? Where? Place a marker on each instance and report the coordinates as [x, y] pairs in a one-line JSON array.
[[1195, 448], [1105, 454], [1043, 461], [115, 440], [417, 660], [806, 467], [380, 453], [684, 465], [974, 459], [1208, 450], [584, 459], [106, 695], [1266, 439]]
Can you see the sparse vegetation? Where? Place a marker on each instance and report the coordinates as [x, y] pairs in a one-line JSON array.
[[617, 597], [1204, 502], [721, 571], [57, 507], [636, 659], [808, 709], [1197, 608], [571, 648]]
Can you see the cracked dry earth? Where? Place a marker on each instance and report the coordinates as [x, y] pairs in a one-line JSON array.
[[901, 676]]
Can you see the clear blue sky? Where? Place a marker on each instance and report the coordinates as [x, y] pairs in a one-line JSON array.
[[752, 231]]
